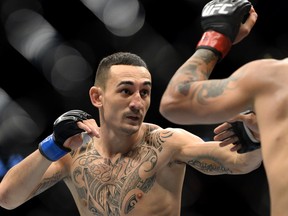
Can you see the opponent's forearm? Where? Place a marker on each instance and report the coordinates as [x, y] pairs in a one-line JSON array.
[[198, 67], [22, 179], [181, 89], [221, 27]]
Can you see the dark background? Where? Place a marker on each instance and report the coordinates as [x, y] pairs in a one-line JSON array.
[[30, 102]]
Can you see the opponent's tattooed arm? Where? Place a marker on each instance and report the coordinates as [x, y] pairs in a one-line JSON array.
[[198, 67], [177, 96]]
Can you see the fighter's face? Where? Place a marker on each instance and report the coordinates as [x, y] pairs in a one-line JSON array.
[[126, 98]]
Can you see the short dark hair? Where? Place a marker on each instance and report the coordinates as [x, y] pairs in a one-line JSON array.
[[118, 58]]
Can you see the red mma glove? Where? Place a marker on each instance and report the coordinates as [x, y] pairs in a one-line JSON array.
[[221, 20]]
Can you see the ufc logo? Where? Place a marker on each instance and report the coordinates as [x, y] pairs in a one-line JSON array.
[[216, 9]]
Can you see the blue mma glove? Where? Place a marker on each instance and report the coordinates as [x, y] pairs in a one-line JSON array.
[[245, 138], [64, 127]]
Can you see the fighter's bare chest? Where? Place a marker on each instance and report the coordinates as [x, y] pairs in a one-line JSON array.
[[113, 183], [93, 165]]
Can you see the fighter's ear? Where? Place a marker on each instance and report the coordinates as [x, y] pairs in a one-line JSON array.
[[96, 96]]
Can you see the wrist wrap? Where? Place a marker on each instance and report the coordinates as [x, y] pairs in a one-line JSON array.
[[216, 42], [50, 150]]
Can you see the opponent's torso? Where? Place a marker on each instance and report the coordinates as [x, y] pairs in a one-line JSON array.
[[271, 108]]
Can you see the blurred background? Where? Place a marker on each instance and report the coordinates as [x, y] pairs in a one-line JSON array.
[[50, 49]]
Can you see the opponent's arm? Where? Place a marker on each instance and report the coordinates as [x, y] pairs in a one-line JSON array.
[[221, 30], [209, 157], [36, 172]]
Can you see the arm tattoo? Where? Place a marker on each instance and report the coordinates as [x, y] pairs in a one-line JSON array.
[[207, 90], [214, 88], [47, 183], [193, 72], [109, 184], [209, 165], [207, 57]]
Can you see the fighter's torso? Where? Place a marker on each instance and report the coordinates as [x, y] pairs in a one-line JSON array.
[[133, 183]]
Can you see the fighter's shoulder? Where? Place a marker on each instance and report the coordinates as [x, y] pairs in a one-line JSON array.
[[173, 133], [150, 126], [154, 128]]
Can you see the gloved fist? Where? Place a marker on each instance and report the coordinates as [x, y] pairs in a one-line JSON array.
[[64, 127], [245, 138], [221, 20]]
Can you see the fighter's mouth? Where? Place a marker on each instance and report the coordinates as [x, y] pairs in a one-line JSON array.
[[134, 118]]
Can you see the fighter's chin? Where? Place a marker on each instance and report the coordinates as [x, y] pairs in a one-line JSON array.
[[129, 129]]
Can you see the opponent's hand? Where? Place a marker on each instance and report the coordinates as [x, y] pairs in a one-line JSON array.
[[246, 138], [246, 27], [221, 21], [66, 126]]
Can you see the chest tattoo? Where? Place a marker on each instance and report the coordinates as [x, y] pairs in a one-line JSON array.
[[106, 185]]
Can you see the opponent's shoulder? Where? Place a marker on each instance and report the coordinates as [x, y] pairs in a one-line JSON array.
[[257, 72], [265, 72], [259, 66]]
